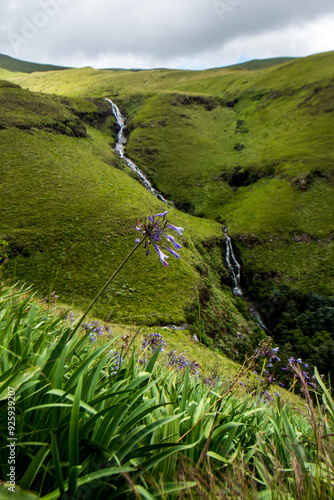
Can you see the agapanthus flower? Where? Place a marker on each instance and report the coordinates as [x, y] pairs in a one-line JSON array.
[[154, 232], [153, 341]]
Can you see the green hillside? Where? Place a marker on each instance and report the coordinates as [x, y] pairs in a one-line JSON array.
[[252, 150], [17, 66], [70, 212], [262, 63]]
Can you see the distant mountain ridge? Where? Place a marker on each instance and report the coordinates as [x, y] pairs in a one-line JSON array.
[[17, 66], [255, 64]]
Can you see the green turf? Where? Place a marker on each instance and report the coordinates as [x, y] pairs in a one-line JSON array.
[[70, 212], [250, 149]]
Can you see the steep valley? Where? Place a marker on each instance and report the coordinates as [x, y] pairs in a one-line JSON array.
[[248, 150]]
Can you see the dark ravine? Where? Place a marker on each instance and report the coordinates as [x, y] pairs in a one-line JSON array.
[[120, 145]]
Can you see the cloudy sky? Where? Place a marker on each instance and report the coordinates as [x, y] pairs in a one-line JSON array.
[[190, 34]]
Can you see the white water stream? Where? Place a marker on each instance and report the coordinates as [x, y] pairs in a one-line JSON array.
[[120, 145], [233, 266], [235, 269]]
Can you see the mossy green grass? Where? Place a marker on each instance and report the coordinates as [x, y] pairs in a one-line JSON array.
[[70, 212], [249, 149]]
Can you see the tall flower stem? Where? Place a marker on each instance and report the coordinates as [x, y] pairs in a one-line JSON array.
[[106, 286]]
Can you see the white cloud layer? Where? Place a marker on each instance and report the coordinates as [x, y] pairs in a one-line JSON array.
[[192, 34]]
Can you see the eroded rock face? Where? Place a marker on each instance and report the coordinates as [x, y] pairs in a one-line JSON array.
[[248, 239], [189, 100], [304, 238]]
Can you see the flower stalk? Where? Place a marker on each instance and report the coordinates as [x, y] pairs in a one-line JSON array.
[[153, 231], [105, 286]]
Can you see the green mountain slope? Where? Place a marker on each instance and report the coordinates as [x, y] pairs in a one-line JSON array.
[[262, 63], [17, 66], [252, 150], [70, 209]]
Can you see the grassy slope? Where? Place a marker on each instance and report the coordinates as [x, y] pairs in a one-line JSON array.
[[16, 65], [262, 63], [69, 213], [279, 133], [186, 129]]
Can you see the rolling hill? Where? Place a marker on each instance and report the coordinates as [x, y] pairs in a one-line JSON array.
[[17, 66], [249, 150]]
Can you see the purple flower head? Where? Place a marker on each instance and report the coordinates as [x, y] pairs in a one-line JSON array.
[[153, 231], [271, 354], [299, 361], [153, 341]]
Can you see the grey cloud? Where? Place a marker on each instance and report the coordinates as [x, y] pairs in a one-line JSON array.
[[155, 30]]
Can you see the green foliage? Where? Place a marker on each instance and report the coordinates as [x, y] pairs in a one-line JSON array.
[[69, 203], [83, 428], [301, 323]]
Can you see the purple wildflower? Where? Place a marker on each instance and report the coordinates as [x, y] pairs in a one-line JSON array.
[[153, 341], [154, 232], [116, 362], [175, 243], [162, 256], [299, 361], [95, 330]]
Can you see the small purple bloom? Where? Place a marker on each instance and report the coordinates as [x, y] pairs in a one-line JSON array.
[[176, 228], [298, 361], [171, 238], [172, 252], [162, 256]]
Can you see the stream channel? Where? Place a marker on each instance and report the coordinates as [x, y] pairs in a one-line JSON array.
[[120, 145], [231, 262]]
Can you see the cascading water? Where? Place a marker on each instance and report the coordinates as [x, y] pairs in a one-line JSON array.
[[233, 266], [235, 269], [121, 141]]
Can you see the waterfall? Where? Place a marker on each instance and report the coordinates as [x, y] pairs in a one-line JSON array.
[[120, 145], [233, 266], [235, 269]]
